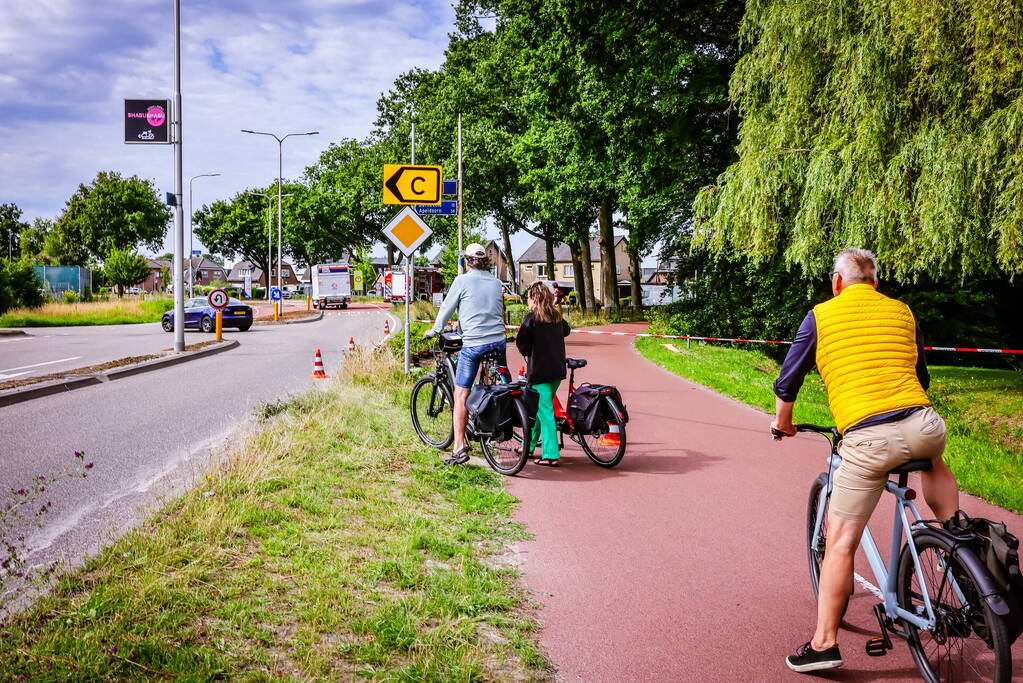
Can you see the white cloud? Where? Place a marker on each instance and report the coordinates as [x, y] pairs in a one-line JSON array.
[[273, 66]]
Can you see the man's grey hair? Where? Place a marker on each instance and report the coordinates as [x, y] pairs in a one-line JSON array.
[[480, 263], [856, 265]]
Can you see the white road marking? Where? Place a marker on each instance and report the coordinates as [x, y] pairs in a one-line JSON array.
[[5, 341], [36, 365], [12, 375], [869, 586]]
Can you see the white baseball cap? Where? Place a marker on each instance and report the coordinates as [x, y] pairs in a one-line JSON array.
[[475, 250]]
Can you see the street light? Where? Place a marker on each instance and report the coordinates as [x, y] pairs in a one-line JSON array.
[[191, 210], [280, 173], [269, 237]]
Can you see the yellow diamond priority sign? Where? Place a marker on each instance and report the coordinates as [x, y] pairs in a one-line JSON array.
[[412, 184], [407, 231]]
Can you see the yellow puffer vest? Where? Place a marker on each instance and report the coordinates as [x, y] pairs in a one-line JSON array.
[[866, 354]]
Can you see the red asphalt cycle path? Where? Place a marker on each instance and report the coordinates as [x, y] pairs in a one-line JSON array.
[[687, 561]]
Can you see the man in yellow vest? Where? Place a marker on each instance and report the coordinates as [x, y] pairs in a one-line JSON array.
[[869, 351]]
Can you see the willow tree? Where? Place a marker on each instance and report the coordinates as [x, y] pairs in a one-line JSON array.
[[895, 125]]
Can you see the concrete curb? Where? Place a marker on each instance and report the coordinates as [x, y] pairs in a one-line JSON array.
[[309, 319], [72, 382]]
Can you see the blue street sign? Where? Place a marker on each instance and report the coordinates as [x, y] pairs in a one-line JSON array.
[[196, 252], [445, 208], [275, 293], [450, 187]]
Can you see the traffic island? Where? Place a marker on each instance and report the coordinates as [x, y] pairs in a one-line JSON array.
[[18, 390], [328, 545]]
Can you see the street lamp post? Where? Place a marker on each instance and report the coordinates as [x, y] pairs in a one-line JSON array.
[[280, 173], [269, 238], [191, 210]]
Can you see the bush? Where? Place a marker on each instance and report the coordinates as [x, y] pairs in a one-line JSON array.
[[70, 297], [19, 286], [259, 292]]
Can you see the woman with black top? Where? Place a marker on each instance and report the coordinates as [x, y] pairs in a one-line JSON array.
[[541, 339]]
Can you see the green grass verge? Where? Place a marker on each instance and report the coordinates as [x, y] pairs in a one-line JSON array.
[[331, 546], [100, 313], [983, 408]]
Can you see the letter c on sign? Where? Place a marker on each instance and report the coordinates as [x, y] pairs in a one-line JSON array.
[[417, 179]]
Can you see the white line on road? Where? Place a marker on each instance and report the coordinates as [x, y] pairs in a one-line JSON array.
[[12, 375], [36, 365], [5, 341]]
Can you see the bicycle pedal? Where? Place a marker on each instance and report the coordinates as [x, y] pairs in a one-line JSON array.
[[878, 647]]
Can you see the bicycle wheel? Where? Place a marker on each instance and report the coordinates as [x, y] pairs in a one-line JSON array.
[[969, 642], [815, 553], [431, 408], [606, 447], [507, 456]]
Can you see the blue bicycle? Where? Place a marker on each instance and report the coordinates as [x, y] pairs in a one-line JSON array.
[[937, 595]]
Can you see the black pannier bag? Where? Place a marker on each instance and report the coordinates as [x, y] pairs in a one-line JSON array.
[[589, 413], [490, 410], [999, 551]]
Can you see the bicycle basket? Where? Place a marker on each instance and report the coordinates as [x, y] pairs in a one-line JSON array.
[[450, 342]]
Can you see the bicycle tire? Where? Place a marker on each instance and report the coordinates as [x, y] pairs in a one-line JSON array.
[[602, 454], [431, 429], [967, 636], [501, 454], [815, 555]]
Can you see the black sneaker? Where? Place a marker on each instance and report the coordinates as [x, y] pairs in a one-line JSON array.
[[808, 659]]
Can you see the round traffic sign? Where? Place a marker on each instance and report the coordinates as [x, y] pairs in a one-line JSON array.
[[275, 294], [218, 298]]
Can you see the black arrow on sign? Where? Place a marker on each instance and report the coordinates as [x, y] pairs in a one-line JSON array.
[[392, 185]]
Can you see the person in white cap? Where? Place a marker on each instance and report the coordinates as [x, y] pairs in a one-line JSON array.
[[478, 298]]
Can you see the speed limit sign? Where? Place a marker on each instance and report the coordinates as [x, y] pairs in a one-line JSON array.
[[218, 299]]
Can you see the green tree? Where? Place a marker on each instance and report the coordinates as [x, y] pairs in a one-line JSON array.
[[32, 241], [11, 228], [125, 268], [19, 285], [893, 126], [111, 213]]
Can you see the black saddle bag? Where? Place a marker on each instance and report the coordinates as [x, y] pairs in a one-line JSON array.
[[999, 551]]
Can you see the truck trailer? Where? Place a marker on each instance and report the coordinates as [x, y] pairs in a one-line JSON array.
[[332, 285]]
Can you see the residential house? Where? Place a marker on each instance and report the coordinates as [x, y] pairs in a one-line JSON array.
[[154, 282], [532, 265], [242, 268], [203, 271]]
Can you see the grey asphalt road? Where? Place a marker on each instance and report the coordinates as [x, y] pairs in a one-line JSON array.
[[150, 434], [46, 350]]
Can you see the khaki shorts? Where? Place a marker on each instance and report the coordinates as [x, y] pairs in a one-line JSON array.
[[868, 454]]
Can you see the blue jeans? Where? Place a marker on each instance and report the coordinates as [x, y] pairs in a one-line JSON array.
[[469, 362]]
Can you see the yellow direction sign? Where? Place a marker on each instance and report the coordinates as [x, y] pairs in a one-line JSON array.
[[412, 184], [407, 230]]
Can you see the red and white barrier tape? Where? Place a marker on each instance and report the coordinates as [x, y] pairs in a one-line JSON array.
[[745, 341]]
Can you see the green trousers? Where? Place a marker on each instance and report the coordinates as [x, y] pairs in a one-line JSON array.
[[544, 427]]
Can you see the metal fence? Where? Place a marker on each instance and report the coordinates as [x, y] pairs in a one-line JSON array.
[[60, 279]]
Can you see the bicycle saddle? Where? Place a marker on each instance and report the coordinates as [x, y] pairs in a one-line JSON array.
[[911, 466], [575, 363]]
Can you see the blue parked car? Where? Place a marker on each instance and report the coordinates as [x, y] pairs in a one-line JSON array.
[[200, 315]]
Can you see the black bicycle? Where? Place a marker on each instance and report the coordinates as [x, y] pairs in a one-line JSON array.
[[432, 406]]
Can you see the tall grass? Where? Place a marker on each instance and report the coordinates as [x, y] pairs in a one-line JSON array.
[[113, 312]]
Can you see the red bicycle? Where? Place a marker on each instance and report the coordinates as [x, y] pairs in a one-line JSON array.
[[599, 427]]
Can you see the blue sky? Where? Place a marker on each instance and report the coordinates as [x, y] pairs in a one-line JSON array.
[[291, 65]]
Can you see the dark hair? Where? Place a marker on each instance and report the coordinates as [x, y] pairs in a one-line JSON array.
[[477, 262]]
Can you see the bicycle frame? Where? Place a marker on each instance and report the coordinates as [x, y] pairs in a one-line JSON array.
[[901, 526]]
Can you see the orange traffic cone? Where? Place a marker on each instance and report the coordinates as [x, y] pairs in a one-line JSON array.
[[387, 327], [522, 373], [351, 344], [318, 372], [613, 437]]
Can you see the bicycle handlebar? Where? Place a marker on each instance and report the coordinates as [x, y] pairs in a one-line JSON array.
[[819, 429]]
